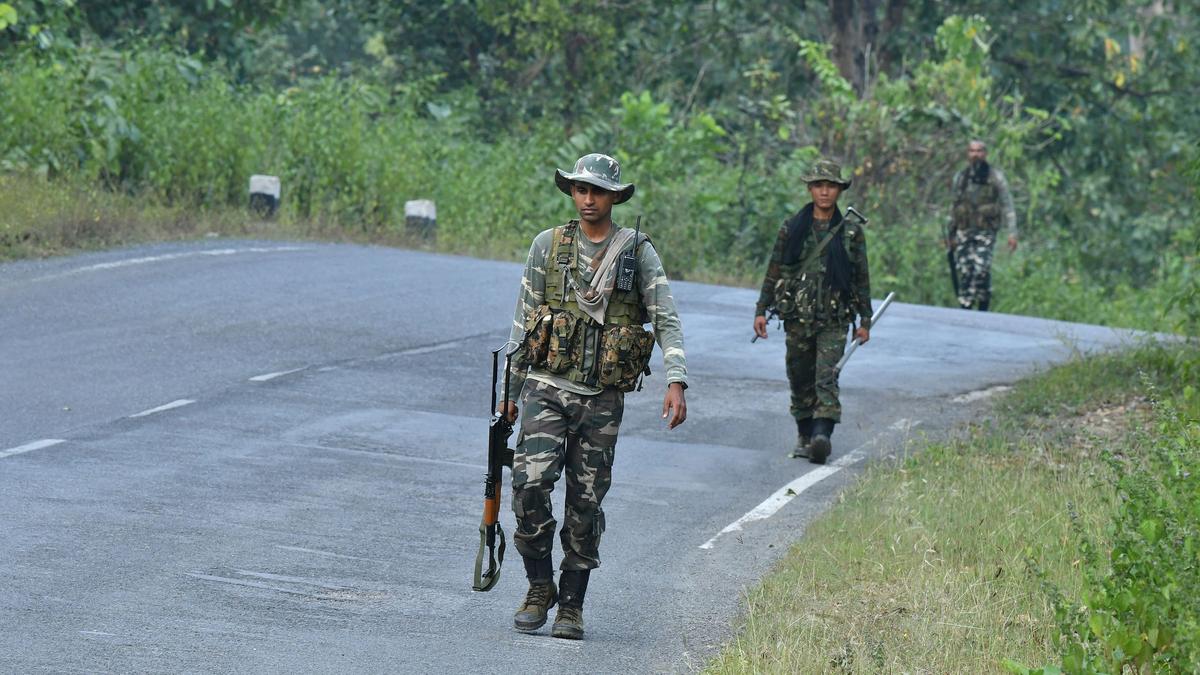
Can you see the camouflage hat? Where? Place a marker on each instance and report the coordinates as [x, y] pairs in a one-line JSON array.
[[826, 169], [595, 169]]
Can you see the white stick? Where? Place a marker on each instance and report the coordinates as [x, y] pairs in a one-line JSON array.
[[854, 345]]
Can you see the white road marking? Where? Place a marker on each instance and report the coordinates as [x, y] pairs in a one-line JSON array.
[[30, 447], [904, 424], [980, 394], [166, 406], [326, 554], [271, 376], [789, 492], [128, 262]]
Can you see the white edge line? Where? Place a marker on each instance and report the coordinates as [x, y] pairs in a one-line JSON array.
[[785, 494], [166, 406], [270, 376], [30, 447]]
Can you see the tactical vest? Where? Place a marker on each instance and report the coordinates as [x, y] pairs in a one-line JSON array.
[[562, 339], [801, 294], [976, 206]]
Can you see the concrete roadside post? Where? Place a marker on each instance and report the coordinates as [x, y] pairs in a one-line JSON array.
[[420, 220], [264, 195]]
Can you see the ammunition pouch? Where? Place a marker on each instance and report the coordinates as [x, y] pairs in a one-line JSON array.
[[625, 356], [795, 298], [566, 348], [535, 345]]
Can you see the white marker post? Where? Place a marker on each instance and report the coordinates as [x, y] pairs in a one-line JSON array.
[[420, 219], [264, 194]]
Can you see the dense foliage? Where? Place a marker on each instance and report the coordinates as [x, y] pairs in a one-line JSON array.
[[714, 107]]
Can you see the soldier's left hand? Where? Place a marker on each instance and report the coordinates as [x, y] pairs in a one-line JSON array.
[[863, 335], [674, 405], [1012, 243]]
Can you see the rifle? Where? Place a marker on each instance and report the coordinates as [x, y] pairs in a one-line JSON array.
[[491, 535], [854, 345], [950, 260]]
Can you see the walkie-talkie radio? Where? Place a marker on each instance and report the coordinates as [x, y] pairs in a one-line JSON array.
[[627, 265]]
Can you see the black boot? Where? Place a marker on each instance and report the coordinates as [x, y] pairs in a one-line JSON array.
[[542, 595], [568, 622], [804, 429], [984, 304], [820, 447]]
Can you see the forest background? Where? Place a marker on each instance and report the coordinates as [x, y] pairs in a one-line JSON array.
[[714, 109]]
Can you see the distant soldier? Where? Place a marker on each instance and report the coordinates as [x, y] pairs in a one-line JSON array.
[[981, 201], [818, 282], [589, 286]]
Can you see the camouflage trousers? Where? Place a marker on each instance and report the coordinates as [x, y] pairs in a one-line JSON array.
[[563, 430], [812, 353], [973, 262]]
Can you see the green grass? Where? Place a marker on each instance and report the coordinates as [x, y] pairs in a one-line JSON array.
[[939, 562]]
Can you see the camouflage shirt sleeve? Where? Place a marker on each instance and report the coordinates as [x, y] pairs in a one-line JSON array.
[[857, 245], [656, 296], [533, 293], [766, 297], [955, 186], [1006, 203]]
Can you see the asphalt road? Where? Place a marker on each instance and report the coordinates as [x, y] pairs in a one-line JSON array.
[[267, 457]]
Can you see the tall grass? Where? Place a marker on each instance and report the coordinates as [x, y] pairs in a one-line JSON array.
[[1062, 531]]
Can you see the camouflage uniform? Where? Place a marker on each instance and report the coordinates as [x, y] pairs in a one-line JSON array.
[[571, 425], [978, 208], [817, 325]]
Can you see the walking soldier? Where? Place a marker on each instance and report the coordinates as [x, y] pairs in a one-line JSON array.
[[589, 287], [817, 281], [981, 201]]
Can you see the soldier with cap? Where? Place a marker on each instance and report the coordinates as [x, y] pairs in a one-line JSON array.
[[589, 287], [818, 282], [981, 201]]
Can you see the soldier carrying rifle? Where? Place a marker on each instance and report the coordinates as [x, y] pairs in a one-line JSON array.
[[589, 287], [982, 203], [817, 281]]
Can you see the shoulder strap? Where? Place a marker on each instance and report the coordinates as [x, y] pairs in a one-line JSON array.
[[812, 255], [564, 244]]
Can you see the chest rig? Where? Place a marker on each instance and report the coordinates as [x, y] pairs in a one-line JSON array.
[[564, 340], [802, 295], [976, 205]]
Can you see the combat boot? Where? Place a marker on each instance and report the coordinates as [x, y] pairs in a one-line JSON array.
[[568, 621], [542, 595], [820, 447], [985, 304], [803, 436]]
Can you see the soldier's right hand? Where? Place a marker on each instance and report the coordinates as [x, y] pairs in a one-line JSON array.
[[508, 409], [760, 326]]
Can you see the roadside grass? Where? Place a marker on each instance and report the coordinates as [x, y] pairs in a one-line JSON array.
[[941, 561], [40, 219]]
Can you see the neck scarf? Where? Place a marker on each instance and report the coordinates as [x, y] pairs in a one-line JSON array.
[[837, 262]]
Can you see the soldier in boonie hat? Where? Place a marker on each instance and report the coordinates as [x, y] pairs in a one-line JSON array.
[[589, 288], [818, 282], [827, 170], [595, 169]]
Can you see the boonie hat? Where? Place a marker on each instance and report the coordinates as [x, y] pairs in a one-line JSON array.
[[595, 169], [826, 169]]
